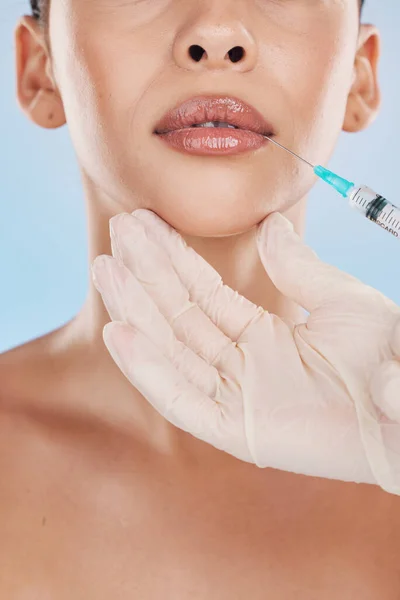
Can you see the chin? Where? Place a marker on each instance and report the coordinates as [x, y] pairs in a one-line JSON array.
[[212, 212], [209, 219], [226, 204]]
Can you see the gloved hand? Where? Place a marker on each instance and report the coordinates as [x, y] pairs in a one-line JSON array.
[[385, 392], [267, 391]]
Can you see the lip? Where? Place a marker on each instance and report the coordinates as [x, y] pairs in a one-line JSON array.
[[202, 109], [213, 141]]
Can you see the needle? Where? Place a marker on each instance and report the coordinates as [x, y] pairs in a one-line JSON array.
[[296, 155]]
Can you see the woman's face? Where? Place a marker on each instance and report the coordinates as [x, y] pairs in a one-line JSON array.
[[121, 64]]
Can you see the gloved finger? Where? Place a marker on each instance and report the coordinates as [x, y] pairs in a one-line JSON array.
[[153, 269], [176, 399], [385, 389], [226, 308], [298, 272], [126, 300]]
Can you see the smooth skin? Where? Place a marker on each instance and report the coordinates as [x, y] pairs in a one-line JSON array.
[[103, 498]]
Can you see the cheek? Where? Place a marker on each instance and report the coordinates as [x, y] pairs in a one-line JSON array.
[[102, 81], [320, 85]]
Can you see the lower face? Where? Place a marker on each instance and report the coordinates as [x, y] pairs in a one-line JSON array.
[[121, 65]]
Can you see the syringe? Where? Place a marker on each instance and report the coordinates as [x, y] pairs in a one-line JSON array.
[[370, 204]]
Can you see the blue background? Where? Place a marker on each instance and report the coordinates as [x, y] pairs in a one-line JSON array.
[[43, 240]]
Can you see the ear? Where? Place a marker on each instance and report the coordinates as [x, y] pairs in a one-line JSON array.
[[37, 93], [364, 98]]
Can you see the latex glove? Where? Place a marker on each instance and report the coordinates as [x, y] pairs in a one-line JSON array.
[[385, 392], [214, 364]]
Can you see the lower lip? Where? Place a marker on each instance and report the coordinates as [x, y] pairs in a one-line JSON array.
[[213, 140]]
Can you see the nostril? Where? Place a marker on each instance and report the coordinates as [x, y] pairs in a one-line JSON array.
[[196, 52], [236, 54]]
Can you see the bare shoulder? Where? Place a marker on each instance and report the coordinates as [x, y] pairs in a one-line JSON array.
[[21, 372], [27, 393], [40, 428], [26, 370], [17, 395], [44, 407]]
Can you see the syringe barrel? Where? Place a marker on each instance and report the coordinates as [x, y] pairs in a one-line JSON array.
[[375, 208]]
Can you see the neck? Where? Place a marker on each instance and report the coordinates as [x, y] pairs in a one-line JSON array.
[[235, 258]]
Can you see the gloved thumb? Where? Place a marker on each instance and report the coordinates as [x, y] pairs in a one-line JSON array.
[[295, 269]]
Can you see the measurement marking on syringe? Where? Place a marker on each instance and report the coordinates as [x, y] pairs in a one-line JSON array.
[[357, 193], [390, 213]]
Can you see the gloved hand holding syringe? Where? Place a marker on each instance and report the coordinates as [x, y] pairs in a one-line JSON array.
[[366, 201]]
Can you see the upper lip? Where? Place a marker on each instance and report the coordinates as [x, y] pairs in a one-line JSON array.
[[201, 109]]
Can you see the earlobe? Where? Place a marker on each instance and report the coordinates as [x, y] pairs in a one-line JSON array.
[[46, 109], [364, 97], [352, 121], [37, 94]]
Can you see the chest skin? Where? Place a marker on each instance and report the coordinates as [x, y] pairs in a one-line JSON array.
[[87, 513]]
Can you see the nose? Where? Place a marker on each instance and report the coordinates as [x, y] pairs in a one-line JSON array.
[[215, 44]]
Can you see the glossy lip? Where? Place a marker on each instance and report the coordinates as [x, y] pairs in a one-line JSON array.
[[201, 109], [215, 141]]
